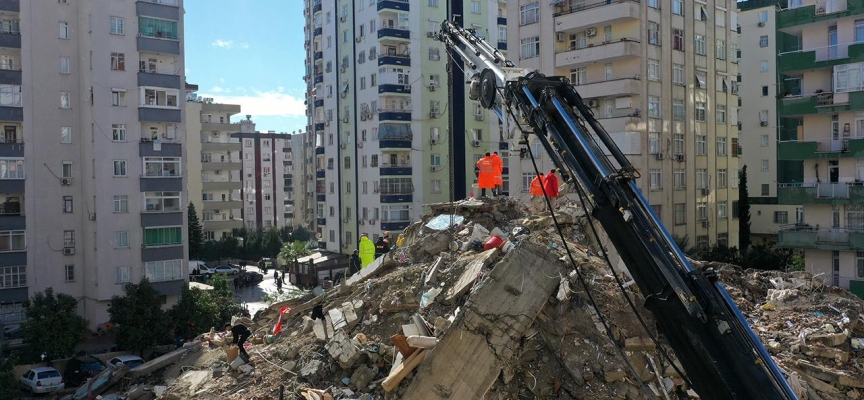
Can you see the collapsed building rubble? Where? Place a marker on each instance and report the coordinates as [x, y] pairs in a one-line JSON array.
[[449, 317]]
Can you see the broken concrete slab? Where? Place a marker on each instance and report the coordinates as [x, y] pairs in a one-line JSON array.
[[501, 309], [376, 267], [343, 350], [472, 271], [163, 361], [433, 271]]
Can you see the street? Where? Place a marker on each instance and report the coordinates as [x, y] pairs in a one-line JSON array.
[[250, 296]]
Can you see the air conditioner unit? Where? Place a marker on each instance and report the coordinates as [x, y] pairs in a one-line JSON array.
[[345, 220], [433, 141], [362, 222], [679, 157], [591, 32], [92, 216], [706, 191], [433, 114], [761, 24], [362, 117], [479, 117], [345, 120], [215, 133], [593, 103], [763, 123], [342, 18], [218, 172], [68, 251], [430, 34], [661, 156], [359, 38], [432, 88], [706, 223], [217, 211], [475, 143], [65, 181], [344, 145], [436, 168], [342, 70], [372, 222], [560, 36], [360, 145]]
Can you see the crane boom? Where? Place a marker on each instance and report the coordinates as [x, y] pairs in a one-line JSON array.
[[721, 355]]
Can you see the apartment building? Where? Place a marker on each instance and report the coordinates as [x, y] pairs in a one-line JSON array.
[[268, 192], [821, 125], [661, 77], [759, 122], [92, 159], [379, 114], [214, 180]]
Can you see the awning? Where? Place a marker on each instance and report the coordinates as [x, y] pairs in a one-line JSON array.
[[199, 285], [309, 257]]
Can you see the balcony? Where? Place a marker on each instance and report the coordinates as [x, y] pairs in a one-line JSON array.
[[225, 185], [502, 46], [320, 174], [395, 144], [10, 5], [807, 149], [162, 9], [319, 103], [317, 32], [319, 126], [319, 79], [223, 205], [319, 150], [391, 225], [161, 184], [11, 148], [318, 55], [595, 13], [221, 166], [389, 114], [402, 60], [321, 197], [162, 252], [394, 88], [159, 80], [316, 8], [605, 52], [221, 146], [10, 76], [617, 85], [820, 193], [321, 221], [10, 40], [219, 126], [146, 149], [222, 225], [12, 221], [402, 35], [398, 169], [502, 21], [157, 45], [820, 57], [819, 103], [807, 237], [393, 5], [824, 10], [148, 114], [165, 217]]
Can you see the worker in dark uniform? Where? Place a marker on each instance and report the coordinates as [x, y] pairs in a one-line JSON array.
[[240, 333], [382, 247]]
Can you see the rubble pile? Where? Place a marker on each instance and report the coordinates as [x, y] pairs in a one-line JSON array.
[[478, 302]]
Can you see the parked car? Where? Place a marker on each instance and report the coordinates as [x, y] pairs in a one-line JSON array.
[[129, 361], [225, 269], [42, 380], [80, 369]]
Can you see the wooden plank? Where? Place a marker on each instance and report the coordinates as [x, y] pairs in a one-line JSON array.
[[401, 343], [400, 307], [403, 370]]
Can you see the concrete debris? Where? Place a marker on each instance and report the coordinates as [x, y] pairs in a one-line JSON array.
[[511, 322]]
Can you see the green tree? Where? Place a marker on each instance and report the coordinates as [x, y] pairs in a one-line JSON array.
[[771, 258], [743, 214], [252, 245], [286, 233], [210, 251], [301, 234], [140, 321], [194, 314], [292, 251], [8, 381], [228, 247], [719, 253], [53, 325], [223, 299], [196, 233], [271, 243]]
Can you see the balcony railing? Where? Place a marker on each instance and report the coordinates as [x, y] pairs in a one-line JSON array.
[[163, 2], [589, 5], [396, 165]]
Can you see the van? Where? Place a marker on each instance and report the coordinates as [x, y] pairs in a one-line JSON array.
[[196, 264]]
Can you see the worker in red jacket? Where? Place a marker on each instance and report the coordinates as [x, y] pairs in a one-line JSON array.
[[486, 174], [550, 185], [498, 164]]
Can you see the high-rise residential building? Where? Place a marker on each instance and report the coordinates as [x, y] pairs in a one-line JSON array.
[[92, 158], [213, 178], [820, 119], [379, 109], [758, 122], [269, 193], [661, 77]]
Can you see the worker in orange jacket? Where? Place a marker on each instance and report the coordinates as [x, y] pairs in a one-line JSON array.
[[537, 193], [486, 174], [498, 164]]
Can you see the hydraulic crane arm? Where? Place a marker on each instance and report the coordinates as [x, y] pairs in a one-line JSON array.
[[721, 355]]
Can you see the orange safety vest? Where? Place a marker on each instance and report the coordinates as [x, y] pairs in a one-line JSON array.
[[486, 177], [537, 186]]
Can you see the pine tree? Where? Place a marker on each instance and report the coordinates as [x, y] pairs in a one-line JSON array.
[[743, 213], [140, 321], [196, 233]]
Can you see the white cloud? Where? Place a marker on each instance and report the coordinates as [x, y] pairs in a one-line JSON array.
[[221, 80], [229, 44], [267, 103], [244, 45]]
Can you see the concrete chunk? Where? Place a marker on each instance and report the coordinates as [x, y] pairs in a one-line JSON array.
[[470, 275]]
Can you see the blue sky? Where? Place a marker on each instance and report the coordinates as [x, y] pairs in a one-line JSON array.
[[249, 52]]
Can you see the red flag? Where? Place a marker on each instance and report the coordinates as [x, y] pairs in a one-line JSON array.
[[278, 327]]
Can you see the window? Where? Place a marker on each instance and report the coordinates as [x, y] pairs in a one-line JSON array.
[[119, 168], [765, 165], [653, 70], [679, 177], [700, 44], [157, 28], [121, 240], [158, 97], [734, 52], [701, 211], [160, 271], [69, 273], [678, 7], [436, 186], [121, 204], [529, 13], [702, 80], [530, 47], [654, 106], [161, 166], [679, 112], [65, 100], [721, 114], [653, 143], [68, 239], [764, 91], [678, 74], [434, 54], [765, 189], [67, 204], [763, 66], [781, 217], [121, 275], [722, 178], [763, 16], [655, 177], [721, 145], [118, 98], [64, 30], [680, 214], [701, 178], [764, 141], [10, 95], [66, 169], [701, 112], [12, 241], [720, 18], [64, 65], [163, 236], [117, 27], [13, 277], [66, 134], [722, 213], [763, 41], [678, 143], [859, 264], [654, 3], [118, 61], [654, 33], [395, 213], [475, 7], [435, 161], [11, 168], [579, 76], [118, 132], [678, 39], [433, 3], [721, 50]]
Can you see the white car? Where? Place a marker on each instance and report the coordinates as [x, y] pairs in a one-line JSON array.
[[225, 269], [42, 380], [129, 361]]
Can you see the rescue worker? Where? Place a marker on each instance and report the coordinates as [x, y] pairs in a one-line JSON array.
[[551, 187], [367, 251], [537, 193], [240, 333], [498, 164], [382, 247], [354, 263], [486, 174]]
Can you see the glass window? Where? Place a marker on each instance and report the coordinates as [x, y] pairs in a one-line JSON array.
[[163, 236], [121, 275], [117, 26], [67, 204], [162, 166], [64, 65], [118, 132], [654, 106], [66, 134], [655, 178], [162, 201], [65, 100], [530, 47], [653, 143], [701, 113], [529, 14], [159, 271], [678, 74], [679, 112], [680, 213], [121, 204], [121, 239], [64, 30], [678, 7], [654, 33], [119, 168], [118, 61], [700, 44], [680, 178], [12, 277], [678, 39], [157, 28], [653, 69]]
